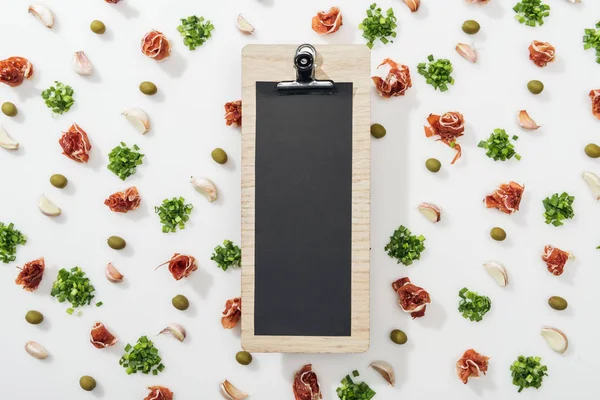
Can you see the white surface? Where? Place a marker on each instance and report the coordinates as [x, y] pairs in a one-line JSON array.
[[187, 123]]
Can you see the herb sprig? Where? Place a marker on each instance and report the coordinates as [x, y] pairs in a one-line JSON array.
[[378, 26], [228, 255], [528, 372], [354, 391], [558, 208], [59, 98], [437, 73], [195, 31], [73, 286], [404, 246], [10, 238], [142, 357], [499, 146], [173, 214], [591, 40], [531, 12], [472, 305], [122, 160]]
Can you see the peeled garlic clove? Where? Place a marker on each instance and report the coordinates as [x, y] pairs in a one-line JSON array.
[[82, 64], [206, 187], [243, 25], [6, 141], [112, 274], [467, 52], [48, 208], [413, 4], [176, 330], [497, 271], [230, 392], [385, 370], [43, 13], [138, 118], [593, 182], [36, 350], [430, 211], [556, 339], [526, 122]]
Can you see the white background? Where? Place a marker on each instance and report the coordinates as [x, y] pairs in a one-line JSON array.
[[187, 123]]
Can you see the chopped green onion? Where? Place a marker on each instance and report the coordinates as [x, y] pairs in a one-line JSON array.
[[10, 238], [472, 305], [499, 147], [591, 40], [528, 372], [142, 357], [376, 26], [437, 73], [195, 31], [404, 246], [173, 214], [122, 160], [354, 391], [531, 12], [59, 98], [98, 304], [73, 286], [228, 255], [558, 208]]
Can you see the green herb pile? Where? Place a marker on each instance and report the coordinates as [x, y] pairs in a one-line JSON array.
[[437, 72], [591, 40], [142, 357], [228, 255], [472, 305], [528, 372], [377, 26], [499, 147], [354, 391], [405, 247], [531, 12], [173, 213], [59, 98], [10, 238], [122, 160], [73, 286], [558, 208], [195, 31]]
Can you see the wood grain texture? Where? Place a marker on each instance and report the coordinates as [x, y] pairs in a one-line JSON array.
[[342, 63]]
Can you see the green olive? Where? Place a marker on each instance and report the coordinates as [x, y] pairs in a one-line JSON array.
[[87, 383], [498, 234], [557, 303], [219, 156], [58, 181], [471, 27], [34, 317], [148, 88], [117, 243], [378, 131], [180, 302], [592, 150], [9, 109], [398, 336], [243, 357], [535, 87], [98, 27], [433, 165]]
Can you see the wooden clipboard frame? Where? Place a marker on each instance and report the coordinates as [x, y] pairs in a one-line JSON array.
[[341, 63]]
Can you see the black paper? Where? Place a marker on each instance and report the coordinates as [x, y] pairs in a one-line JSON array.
[[303, 212]]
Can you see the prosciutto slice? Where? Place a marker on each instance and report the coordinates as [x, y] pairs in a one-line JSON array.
[[124, 201], [555, 259], [325, 23], [159, 393], [31, 274], [541, 53], [181, 266], [411, 298], [397, 81], [506, 198], [14, 70], [306, 384], [156, 45], [233, 113], [447, 127], [595, 96], [100, 337], [75, 144], [232, 313], [471, 365]]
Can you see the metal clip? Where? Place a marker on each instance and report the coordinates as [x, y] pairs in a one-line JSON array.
[[305, 64]]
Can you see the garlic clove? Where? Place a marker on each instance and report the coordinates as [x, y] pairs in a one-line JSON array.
[[385, 370], [243, 25], [81, 63], [467, 52], [526, 122], [138, 118], [43, 13], [574, 1], [497, 271], [230, 392], [556, 339], [6, 142], [48, 208], [112, 274], [175, 330], [430, 211], [36, 350], [593, 182], [206, 187], [413, 4]]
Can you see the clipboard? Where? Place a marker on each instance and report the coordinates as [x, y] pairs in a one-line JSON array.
[[305, 198]]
